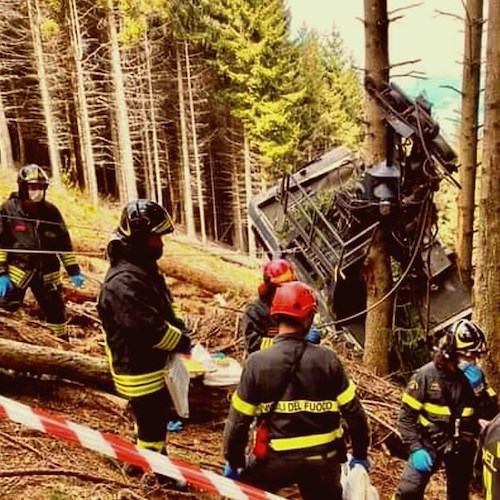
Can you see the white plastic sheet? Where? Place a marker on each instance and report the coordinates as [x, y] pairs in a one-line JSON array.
[[177, 381], [356, 484]]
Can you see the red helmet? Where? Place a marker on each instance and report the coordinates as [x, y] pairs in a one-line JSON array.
[[278, 271], [295, 299]]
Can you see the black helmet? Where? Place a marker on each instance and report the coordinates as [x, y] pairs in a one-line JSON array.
[[464, 337], [469, 337], [31, 174], [140, 218]]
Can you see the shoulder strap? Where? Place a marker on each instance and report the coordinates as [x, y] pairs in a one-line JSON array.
[[288, 378]]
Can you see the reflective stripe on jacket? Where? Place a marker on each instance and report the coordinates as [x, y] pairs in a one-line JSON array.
[[142, 329], [491, 460], [426, 418], [44, 231], [308, 414]]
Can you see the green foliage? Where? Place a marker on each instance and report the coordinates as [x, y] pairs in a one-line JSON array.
[[133, 30], [331, 112], [135, 18], [49, 27], [254, 59], [446, 203]]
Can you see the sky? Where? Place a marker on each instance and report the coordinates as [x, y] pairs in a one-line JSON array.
[[421, 33]]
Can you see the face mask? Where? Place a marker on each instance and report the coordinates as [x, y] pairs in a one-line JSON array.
[[36, 195], [154, 247]]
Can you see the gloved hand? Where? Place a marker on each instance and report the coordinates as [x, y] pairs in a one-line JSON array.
[[230, 473], [474, 375], [313, 336], [174, 426], [361, 461], [184, 345], [421, 460], [5, 285], [78, 280]]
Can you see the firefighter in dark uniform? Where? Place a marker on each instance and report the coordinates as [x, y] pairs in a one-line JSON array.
[[143, 327], [257, 326], [440, 412], [29, 222], [491, 459], [299, 391]]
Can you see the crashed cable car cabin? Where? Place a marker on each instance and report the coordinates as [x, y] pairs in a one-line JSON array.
[[323, 218]]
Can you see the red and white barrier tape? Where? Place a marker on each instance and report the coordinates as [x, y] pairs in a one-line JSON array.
[[116, 447]]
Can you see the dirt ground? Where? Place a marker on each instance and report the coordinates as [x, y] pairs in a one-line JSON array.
[[36, 466]]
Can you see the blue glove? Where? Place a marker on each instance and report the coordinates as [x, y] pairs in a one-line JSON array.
[[230, 473], [78, 280], [5, 285], [313, 336], [359, 461], [474, 375], [421, 460], [174, 426]]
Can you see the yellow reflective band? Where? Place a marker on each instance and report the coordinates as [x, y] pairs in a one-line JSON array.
[[125, 229], [437, 409], [68, 259], [18, 276], [3, 256], [467, 411], [411, 401], [176, 310], [285, 277], [52, 278], [170, 339], [59, 329], [422, 420], [163, 226], [348, 395], [266, 343], [301, 442], [491, 392], [303, 405], [134, 385], [151, 445], [242, 406]]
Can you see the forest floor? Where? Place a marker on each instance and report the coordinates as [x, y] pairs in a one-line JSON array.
[[211, 284]]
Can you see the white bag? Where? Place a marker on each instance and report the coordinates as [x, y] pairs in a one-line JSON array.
[[227, 372], [177, 381], [356, 484]]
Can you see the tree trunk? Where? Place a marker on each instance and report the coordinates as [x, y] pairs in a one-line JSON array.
[[148, 167], [377, 269], [468, 136], [205, 403], [196, 154], [83, 120], [188, 195], [487, 278], [126, 177], [153, 121], [39, 360], [6, 159], [252, 249], [238, 224], [34, 16]]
